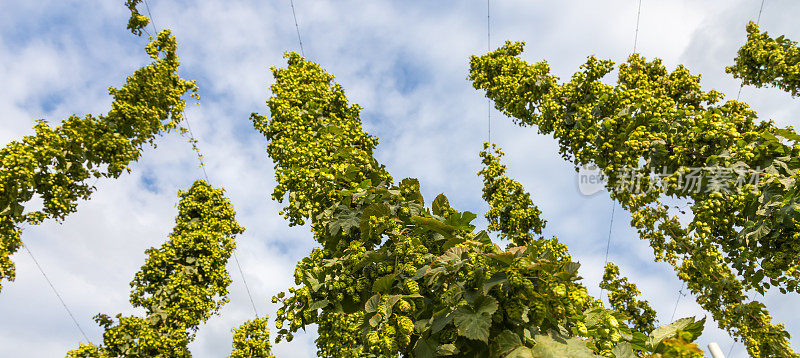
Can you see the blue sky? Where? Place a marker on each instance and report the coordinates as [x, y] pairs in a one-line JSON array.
[[405, 62]]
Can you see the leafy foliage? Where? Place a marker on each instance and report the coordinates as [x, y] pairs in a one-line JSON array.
[[393, 277], [137, 21], [764, 60], [251, 340], [181, 285], [622, 297], [56, 163], [512, 211], [316, 154], [646, 133], [396, 278]]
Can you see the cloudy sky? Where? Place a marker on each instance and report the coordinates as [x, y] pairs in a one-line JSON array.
[[405, 62]]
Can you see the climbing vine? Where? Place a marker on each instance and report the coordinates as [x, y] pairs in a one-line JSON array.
[[57, 162], [622, 298], [395, 277], [251, 340], [181, 285], [764, 60], [656, 134], [392, 276]]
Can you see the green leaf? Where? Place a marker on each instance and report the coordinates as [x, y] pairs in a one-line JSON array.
[[390, 302], [435, 225], [623, 350], [440, 322], [504, 257], [425, 348], [453, 241], [668, 331], [505, 342], [318, 304], [695, 328], [482, 237], [343, 221], [471, 324], [447, 350], [572, 267], [453, 254], [440, 205], [313, 283], [384, 283], [376, 210], [372, 303], [788, 134], [333, 129], [556, 346], [375, 320], [369, 257], [521, 352], [461, 220], [497, 278], [486, 304]]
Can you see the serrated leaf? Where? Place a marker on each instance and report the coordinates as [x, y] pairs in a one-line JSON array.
[[453, 254], [461, 220], [482, 237], [313, 283], [497, 278], [451, 242], [486, 305], [623, 350], [377, 210], [572, 267], [504, 257], [506, 342], [556, 346], [788, 134], [471, 324]]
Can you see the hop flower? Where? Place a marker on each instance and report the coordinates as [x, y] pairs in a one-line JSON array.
[[404, 306], [412, 286]]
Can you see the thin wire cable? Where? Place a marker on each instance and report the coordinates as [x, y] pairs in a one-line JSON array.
[[297, 27], [738, 95], [152, 20], [675, 310], [489, 48], [60, 299], [608, 242], [205, 174], [758, 21], [610, 227], [244, 280], [636, 35], [613, 203], [760, 10], [196, 149]]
